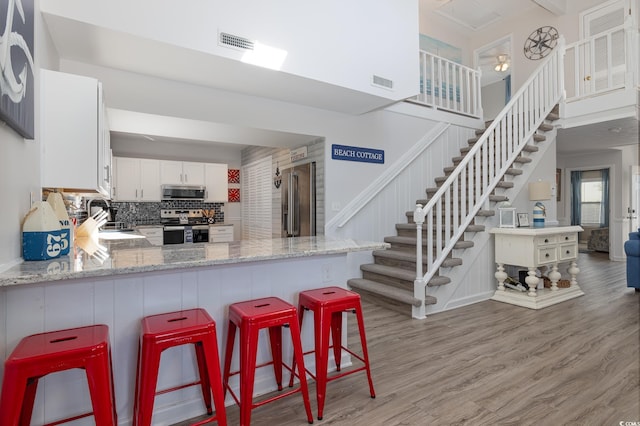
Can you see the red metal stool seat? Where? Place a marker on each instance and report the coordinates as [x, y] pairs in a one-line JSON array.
[[163, 331], [251, 316], [327, 305], [41, 354]]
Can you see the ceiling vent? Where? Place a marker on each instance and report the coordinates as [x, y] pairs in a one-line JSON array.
[[385, 83], [235, 42]]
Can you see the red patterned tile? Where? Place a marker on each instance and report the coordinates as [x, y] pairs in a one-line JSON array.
[[234, 195]]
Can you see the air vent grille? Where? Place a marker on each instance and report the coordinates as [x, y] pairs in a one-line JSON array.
[[382, 82], [236, 42]]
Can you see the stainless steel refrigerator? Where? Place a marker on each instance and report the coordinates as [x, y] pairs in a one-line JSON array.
[[299, 201]]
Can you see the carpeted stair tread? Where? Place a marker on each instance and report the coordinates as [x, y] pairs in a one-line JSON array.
[[402, 274], [411, 241], [390, 292], [545, 127], [389, 271], [481, 213], [539, 138], [410, 258]]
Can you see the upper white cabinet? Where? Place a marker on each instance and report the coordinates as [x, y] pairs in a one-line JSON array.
[[136, 179], [181, 173], [216, 182], [74, 133]]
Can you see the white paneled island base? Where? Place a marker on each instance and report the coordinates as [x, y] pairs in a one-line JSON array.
[[139, 280], [535, 248]]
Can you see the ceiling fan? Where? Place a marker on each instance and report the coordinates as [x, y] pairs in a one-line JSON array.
[[503, 64]]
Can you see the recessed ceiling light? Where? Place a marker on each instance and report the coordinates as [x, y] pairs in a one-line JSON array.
[[615, 129], [148, 137]]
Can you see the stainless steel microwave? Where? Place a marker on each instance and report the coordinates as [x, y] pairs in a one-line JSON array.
[[183, 192]]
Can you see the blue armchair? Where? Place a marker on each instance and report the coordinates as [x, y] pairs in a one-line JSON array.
[[632, 250]]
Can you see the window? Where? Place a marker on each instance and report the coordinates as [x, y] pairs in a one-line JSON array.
[[591, 201], [590, 198]]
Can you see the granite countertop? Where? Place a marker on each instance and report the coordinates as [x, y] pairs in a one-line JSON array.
[[132, 255]]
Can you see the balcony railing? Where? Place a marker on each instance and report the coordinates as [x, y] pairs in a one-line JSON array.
[[449, 86], [598, 64]]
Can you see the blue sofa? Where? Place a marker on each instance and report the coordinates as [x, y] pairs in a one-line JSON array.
[[632, 250]]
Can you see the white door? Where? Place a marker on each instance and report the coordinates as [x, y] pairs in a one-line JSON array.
[[634, 209], [256, 195], [193, 173]]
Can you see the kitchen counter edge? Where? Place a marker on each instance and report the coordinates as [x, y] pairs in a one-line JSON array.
[[150, 259]]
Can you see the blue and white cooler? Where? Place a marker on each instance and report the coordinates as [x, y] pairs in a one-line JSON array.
[[41, 234]]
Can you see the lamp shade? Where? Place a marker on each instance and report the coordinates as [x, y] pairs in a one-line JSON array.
[[540, 190]]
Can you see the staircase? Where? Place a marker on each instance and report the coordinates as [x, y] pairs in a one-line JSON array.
[[469, 190], [389, 280]]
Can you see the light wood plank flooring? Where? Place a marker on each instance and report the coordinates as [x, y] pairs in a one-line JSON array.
[[576, 363]]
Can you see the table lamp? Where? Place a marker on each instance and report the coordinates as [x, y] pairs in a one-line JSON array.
[[539, 191]]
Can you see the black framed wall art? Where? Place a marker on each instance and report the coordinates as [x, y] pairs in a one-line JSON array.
[[16, 66]]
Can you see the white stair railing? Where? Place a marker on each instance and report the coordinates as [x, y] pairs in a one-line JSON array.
[[452, 208], [449, 86]]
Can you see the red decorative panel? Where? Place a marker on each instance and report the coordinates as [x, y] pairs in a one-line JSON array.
[[234, 195], [234, 175]]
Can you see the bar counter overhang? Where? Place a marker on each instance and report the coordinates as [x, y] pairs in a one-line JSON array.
[[137, 280]]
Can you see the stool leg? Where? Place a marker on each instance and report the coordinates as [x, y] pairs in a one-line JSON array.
[[148, 367], [365, 352], [322, 328], [248, 354], [228, 353], [98, 372], [136, 393], [336, 336], [29, 400], [298, 354], [215, 379], [204, 376], [14, 388], [275, 339], [301, 310]]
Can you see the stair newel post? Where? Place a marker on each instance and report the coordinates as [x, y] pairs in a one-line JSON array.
[[419, 285]]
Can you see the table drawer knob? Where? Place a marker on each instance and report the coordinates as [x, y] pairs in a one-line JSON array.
[[546, 240], [546, 255]]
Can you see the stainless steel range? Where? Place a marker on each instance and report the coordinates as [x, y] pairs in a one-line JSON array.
[[184, 226]]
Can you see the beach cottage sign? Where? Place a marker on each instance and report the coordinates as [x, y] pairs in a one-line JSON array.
[[356, 153]]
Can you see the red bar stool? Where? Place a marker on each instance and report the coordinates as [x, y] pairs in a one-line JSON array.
[[327, 305], [41, 354], [163, 331], [251, 316]]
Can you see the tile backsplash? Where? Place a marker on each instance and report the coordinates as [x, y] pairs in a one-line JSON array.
[[132, 213]]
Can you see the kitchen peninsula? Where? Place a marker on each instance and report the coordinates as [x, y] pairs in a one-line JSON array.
[[138, 279]]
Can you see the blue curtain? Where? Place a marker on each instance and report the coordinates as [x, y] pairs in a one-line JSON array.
[[604, 221], [576, 196], [507, 89]]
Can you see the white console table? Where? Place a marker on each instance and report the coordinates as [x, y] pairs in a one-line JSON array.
[[533, 248]]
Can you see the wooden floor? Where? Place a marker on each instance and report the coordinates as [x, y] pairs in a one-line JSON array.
[[576, 363]]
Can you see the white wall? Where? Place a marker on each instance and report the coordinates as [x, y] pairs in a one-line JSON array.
[[520, 27], [20, 160], [332, 41], [493, 99]]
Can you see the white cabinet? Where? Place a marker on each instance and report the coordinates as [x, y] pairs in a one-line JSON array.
[[153, 234], [136, 179], [216, 181], [533, 248], [221, 234], [74, 134], [181, 173]]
